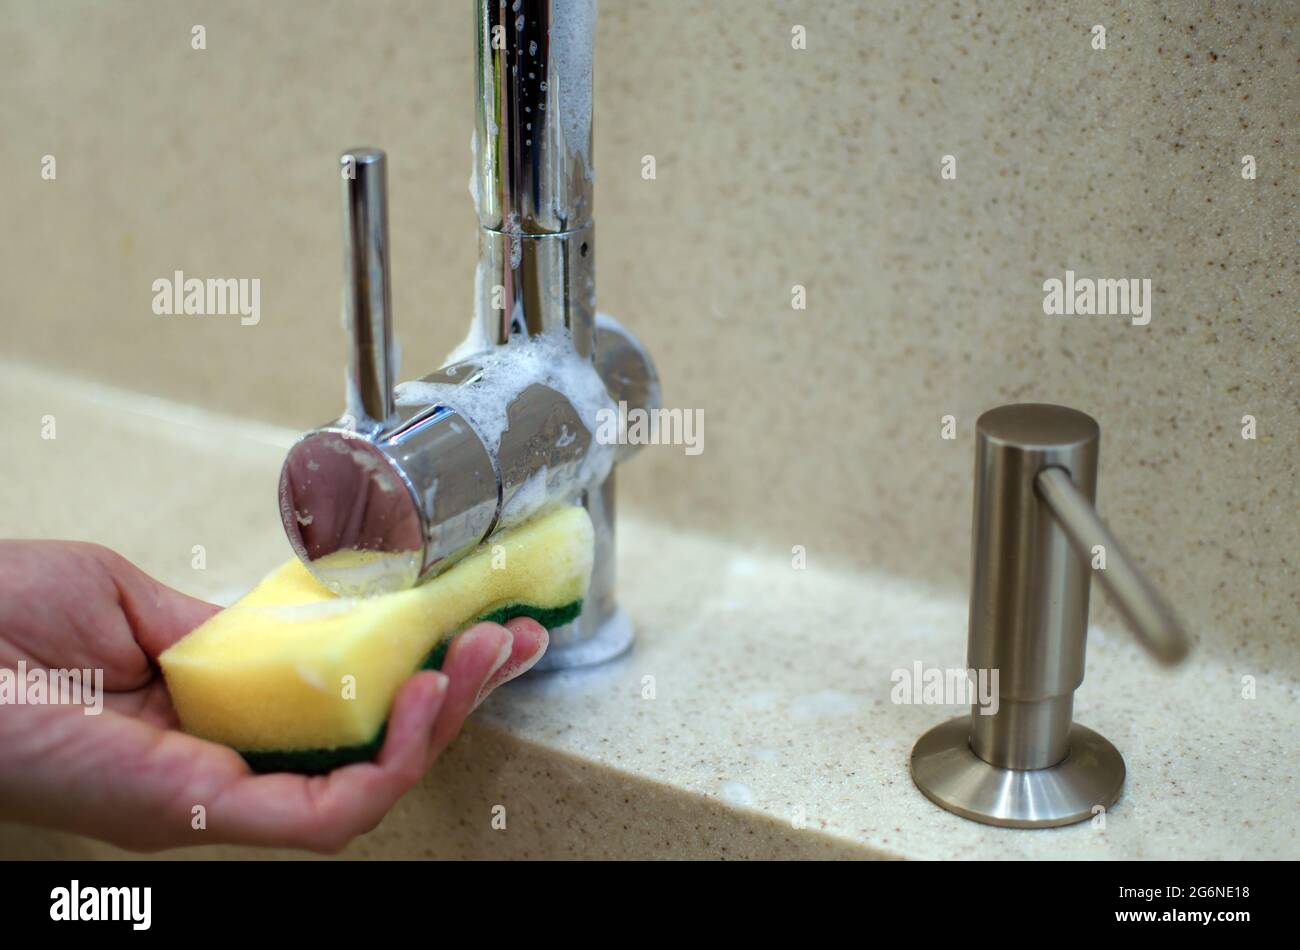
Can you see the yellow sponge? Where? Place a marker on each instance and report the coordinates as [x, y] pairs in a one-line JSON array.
[[299, 679]]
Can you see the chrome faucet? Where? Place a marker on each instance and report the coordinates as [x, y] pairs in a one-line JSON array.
[[400, 487]]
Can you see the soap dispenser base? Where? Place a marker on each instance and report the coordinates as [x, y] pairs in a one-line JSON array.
[[948, 772]]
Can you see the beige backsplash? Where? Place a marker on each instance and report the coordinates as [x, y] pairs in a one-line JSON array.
[[775, 167]]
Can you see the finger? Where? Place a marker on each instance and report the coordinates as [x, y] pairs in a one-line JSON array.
[[150, 703], [324, 813], [530, 642], [120, 779], [475, 655], [158, 615], [410, 725], [74, 604]]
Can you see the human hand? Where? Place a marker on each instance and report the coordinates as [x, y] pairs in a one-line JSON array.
[[129, 776]]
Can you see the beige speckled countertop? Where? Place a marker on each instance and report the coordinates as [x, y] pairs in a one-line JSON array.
[[771, 686]]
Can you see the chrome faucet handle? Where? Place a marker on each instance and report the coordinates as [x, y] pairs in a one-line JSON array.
[[399, 488], [384, 495], [1021, 761], [367, 301]]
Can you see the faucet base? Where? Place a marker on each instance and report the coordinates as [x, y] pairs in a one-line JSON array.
[[573, 649], [1087, 781]]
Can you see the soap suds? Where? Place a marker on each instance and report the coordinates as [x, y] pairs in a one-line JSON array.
[[476, 339], [742, 567], [573, 31], [473, 174], [355, 573], [306, 613], [737, 793], [530, 497], [506, 372]]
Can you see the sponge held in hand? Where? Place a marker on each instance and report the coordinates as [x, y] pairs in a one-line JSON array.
[[298, 679]]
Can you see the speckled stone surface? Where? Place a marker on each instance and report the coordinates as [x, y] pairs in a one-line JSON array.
[[752, 719], [775, 167]]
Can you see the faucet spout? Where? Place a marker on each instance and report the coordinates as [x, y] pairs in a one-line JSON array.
[[533, 179], [533, 188]]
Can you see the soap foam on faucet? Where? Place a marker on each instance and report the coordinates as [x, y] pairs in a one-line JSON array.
[[474, 190], [573, 33], [476, 340], [547, 359], [528, 498]]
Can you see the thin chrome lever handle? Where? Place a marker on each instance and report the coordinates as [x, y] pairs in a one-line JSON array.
[[366, 295], [1148, 615]]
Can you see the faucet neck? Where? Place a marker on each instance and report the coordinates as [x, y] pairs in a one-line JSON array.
[[533, 182], [533, 170]]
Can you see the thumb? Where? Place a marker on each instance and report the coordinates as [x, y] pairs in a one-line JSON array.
[[158, 614]]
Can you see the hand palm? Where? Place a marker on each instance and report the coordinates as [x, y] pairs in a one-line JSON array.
[[129, 776]]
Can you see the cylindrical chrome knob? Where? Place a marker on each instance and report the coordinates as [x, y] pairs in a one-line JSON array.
[[373, 515], [1036, 541]]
